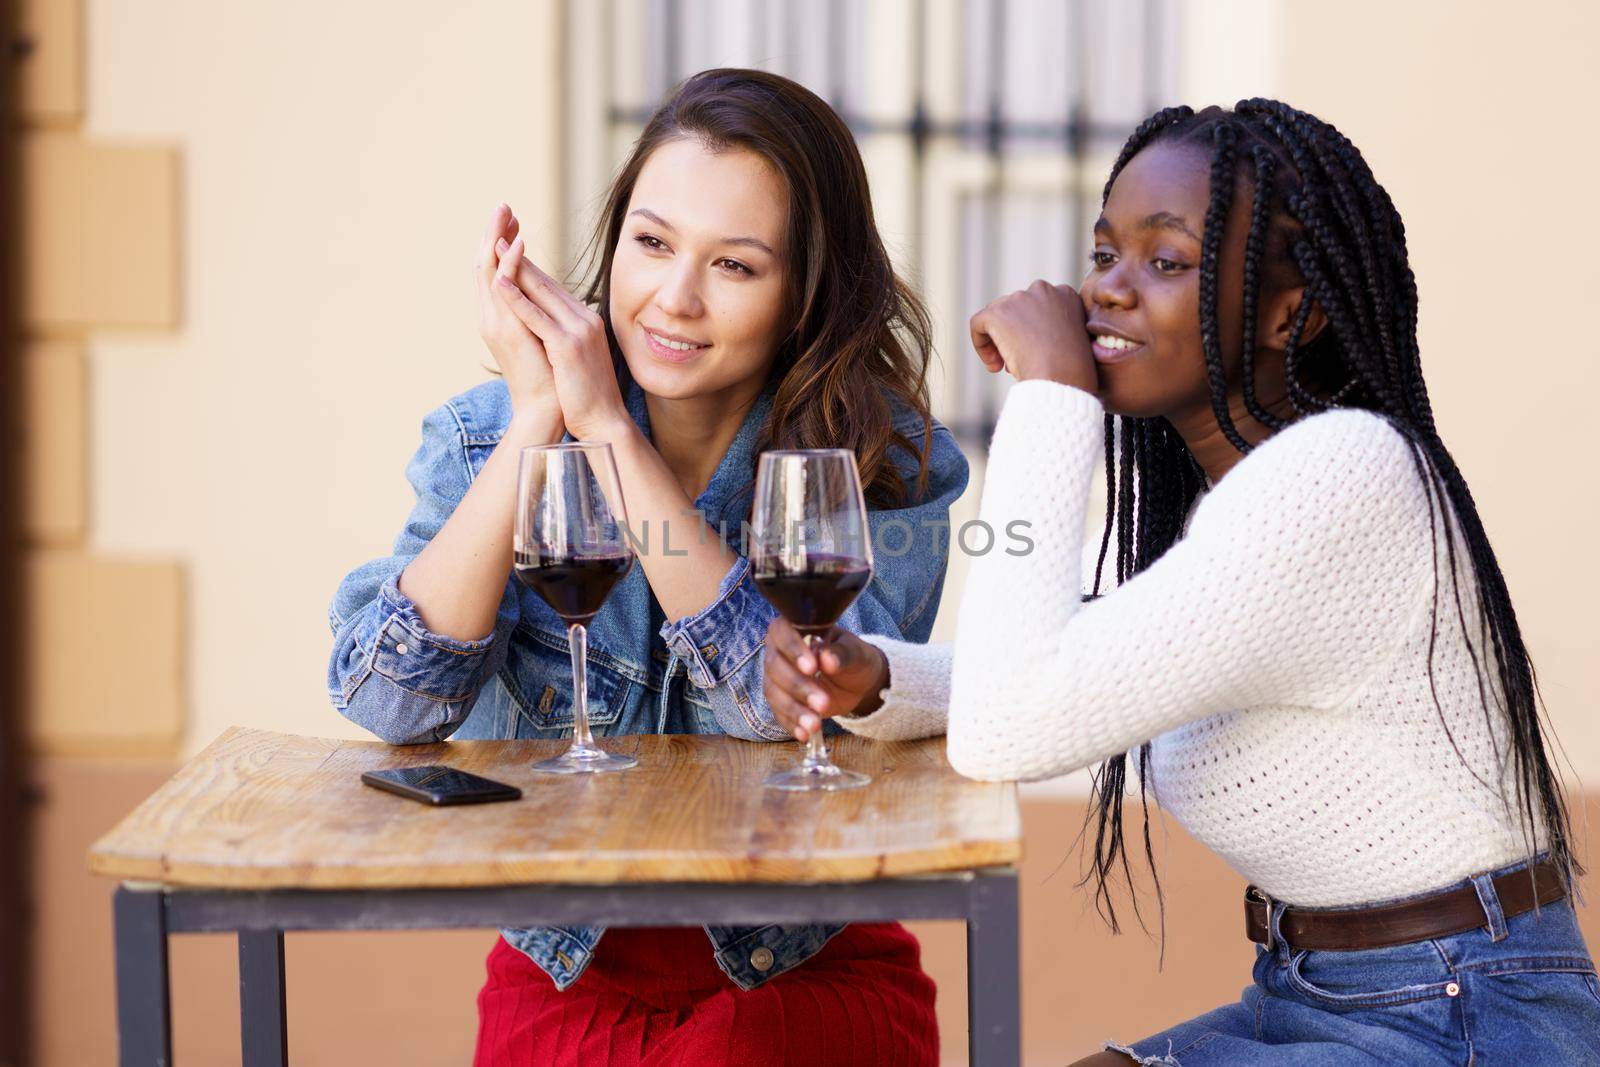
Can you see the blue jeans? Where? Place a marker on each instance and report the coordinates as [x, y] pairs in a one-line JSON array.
[[1520, 991]]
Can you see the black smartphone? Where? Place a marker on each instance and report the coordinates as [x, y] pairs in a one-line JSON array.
[[435, 784]]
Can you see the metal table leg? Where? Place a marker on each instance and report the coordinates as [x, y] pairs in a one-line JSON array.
[[986, 900], [144, 1009], [994, 1004], [263, 1023]]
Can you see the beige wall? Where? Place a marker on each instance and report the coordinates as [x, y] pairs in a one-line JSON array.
[[97, 242], [1477, 117], [342, 160]]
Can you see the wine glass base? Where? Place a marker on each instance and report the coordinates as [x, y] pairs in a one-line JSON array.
[[584, 761], [816, 777]]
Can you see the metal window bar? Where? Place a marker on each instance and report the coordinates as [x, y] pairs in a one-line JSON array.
[[1032, 128]]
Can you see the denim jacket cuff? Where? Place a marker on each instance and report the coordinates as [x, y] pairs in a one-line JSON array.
[[765, 952], [415, 658], [717, 640]]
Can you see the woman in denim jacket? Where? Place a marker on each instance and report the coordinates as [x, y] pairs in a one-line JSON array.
[[741, 299]]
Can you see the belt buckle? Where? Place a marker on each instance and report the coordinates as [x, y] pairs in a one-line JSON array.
[[1255, 896]]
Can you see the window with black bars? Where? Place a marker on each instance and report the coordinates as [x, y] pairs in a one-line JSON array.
[[987, 126]]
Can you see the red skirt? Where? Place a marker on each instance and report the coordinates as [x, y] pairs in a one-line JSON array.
[[656, 998]]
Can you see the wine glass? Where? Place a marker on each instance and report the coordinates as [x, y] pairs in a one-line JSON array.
[[569, 546], [810, 549]]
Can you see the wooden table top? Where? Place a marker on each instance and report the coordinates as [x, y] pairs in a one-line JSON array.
[[264, 810]]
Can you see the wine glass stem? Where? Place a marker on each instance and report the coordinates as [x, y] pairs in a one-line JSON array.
[[816, 747], [578, 638]]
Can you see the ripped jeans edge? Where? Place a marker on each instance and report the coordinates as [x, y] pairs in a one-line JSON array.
[[1144, 1061]]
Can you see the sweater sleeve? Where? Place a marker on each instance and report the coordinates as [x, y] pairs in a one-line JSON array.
[[917, 702], [918, 697], [1301, 570]]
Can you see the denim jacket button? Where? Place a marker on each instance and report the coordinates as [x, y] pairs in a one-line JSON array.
[[1452, 990], [400, 648], [761, 959]]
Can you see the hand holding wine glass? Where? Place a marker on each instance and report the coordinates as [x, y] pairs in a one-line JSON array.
[[841, 675], [811, 553]]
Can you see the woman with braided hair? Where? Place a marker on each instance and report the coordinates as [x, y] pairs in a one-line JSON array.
[[1302, 638]]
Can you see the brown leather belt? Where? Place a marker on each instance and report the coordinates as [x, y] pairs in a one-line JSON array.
[[1453, 911]]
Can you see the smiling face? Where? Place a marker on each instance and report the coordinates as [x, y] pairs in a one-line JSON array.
[[698, 276], [1142, 295]]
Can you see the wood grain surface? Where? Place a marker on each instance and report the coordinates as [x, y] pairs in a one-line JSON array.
[[259, 810]]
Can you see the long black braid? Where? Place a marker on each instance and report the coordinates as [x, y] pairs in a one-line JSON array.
[[1319, 219]]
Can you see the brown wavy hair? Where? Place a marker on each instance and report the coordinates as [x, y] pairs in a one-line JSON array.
[[861, 338]]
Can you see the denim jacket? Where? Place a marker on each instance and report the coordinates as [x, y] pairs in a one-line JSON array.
[[700, 674]]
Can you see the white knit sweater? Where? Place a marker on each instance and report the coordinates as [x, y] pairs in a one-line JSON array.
[[1277, 655]]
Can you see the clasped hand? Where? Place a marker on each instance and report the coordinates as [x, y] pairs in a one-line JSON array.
[[1037, 333], [550, 347]]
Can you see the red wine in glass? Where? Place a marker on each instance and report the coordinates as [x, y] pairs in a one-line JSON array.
[[568, 545], [810, 551], [813, 595], [575, 585]]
